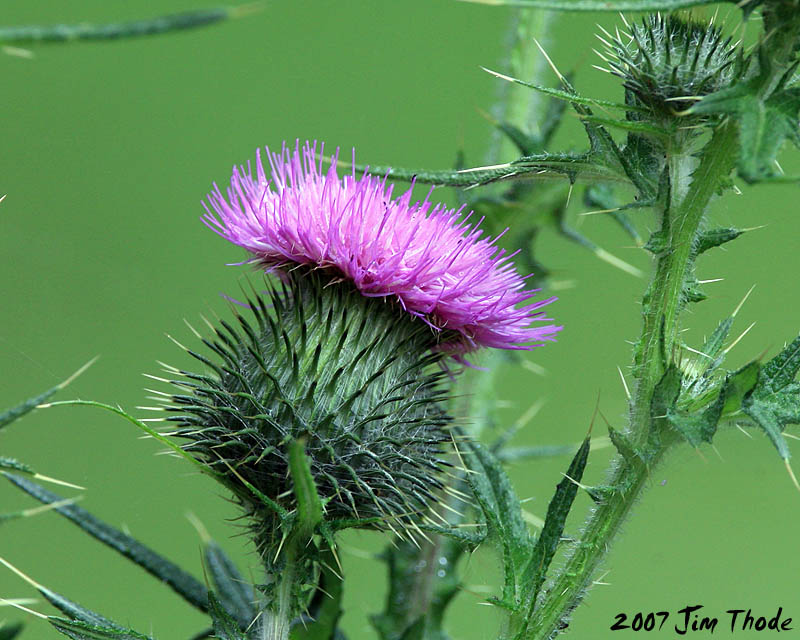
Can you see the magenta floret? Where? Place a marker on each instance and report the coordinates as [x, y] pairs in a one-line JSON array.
[[427, 257]]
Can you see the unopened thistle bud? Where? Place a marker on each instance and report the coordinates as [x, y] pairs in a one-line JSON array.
[[668, 62], [343, 353]]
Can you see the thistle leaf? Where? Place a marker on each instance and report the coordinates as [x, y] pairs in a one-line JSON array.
[[10, 464], [30, 34], [225, 625], [699, 426], [188, 587], [15, 413], [78, 630], [714, 238], [624, 447], [234, 593], [595, 5], [325, 609], [632, 126], [764, 122], [567, 96], [501, 508], [550, 537], [666, 392], [738, 385], [774, 402], [10, 632], [309, 506]]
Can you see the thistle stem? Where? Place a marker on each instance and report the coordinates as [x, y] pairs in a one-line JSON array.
[[277, 618], [649, 434]]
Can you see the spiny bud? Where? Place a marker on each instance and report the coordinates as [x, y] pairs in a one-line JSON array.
[[347, 374], [667, 62]]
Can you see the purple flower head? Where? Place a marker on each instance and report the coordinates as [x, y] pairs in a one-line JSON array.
[[427, 257]]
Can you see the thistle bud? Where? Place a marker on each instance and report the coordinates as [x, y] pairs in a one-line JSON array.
[[668, 62], [322, 407]]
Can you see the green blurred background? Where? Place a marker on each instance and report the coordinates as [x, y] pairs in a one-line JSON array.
[[107, 151]]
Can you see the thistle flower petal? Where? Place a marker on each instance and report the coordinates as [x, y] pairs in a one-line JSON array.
[[430, 259]]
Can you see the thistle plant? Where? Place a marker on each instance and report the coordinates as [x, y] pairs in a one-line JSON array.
[[341, 392]]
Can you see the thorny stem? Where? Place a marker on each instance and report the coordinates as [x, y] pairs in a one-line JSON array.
[[649, 434], [277, 619]]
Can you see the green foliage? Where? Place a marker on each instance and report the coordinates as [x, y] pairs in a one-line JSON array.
[[325, 609], [10, 632], [189, 588], [233, 593], [550, 537], [225, 625], [765, 101], [597, 5], [15, 413], [78, 630], [309, 506], [35, 34], [501, 510], [774, 401]]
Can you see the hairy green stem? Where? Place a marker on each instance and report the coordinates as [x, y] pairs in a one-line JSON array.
[[277, 619], [651, 437], [664, 298], [518, 105]]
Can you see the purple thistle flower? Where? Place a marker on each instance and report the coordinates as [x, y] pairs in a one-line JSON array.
[[427, 257]]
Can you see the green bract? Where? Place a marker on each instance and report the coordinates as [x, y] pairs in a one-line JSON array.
[[667, 62], [352, 377]]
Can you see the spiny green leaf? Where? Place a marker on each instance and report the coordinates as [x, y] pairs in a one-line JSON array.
[[225, 625], [738, 385], [181, 582], [234, 593], [666, 392], [309, 506], [9, 416], [633, 126], [699, 426], [714, 238], [772, 412], [763, 128], [774, 402], [550, 537], [78, 630], [469, 538], [602, 196], [10, 632], [624, 447], [501, 508], [325, 608], [782, 369], [764, 122], [565, 95], [713, 345], [596, 5], [10, 464], [29, 34]]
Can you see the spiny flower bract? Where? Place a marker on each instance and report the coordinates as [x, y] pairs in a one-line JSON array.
[[426, 257], [668, 62], [321, 363]]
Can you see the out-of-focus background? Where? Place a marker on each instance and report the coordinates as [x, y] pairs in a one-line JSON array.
[[107, 152]]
